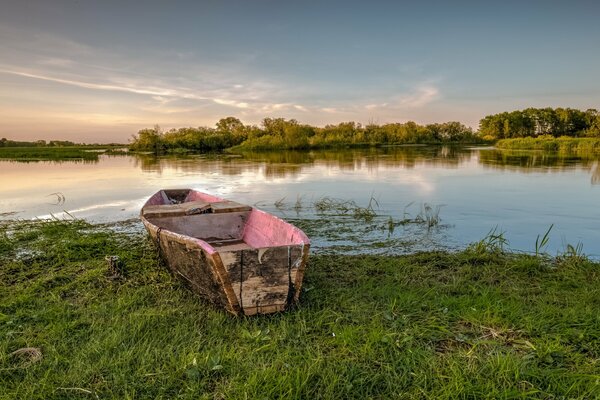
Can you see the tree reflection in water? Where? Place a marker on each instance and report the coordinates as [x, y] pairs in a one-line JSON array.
[[284, 164]]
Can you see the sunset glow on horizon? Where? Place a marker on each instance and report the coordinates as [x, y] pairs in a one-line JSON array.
[[91, 72]]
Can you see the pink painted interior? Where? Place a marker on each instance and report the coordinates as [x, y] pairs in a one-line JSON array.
[[261, 229], [155, 200], [265, 230], [199, 196]]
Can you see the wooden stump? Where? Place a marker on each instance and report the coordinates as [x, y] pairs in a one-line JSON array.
[[114, 266]]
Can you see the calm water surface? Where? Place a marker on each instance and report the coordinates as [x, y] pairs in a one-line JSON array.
[[478, 189]]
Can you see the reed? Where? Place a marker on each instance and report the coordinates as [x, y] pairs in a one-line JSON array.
[[331, 206], [542, 243], [429, 215]]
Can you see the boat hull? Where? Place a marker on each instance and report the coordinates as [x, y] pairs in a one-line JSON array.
[[235, 256]]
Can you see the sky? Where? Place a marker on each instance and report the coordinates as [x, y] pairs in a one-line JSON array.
[[98, 71]]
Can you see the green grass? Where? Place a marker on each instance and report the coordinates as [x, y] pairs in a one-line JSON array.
[[480, 323], [25, 154], [547, 142]]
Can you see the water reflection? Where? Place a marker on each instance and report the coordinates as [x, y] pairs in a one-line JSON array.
[[288, 164], [596, 173], [528, 160], [520, 192]]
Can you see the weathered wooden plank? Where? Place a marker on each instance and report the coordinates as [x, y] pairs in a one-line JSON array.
[[301, 263], [265, 278], [262, 278], [208, 227], [193, 207], [228, 206], [232, 264], [175, 210], [265, 309], [191, 263]]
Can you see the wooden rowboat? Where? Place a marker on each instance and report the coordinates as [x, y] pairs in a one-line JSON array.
[[238, 257]]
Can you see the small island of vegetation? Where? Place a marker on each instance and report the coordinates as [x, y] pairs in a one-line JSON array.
[[54, 150]]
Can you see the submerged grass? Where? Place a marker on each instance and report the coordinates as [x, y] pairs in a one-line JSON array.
[[480, 323]]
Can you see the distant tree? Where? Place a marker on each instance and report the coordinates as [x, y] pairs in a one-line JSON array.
[[149, 140], [276, 126], [229, 124], [233, 127], [533, 122]]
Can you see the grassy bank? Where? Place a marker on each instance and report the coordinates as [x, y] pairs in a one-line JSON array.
[[547, 142], [474, 324]]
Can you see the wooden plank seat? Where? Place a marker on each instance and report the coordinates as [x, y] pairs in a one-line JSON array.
[[193, 208], [228, 206]]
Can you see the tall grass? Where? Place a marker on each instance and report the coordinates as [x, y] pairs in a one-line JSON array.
[[550, 143]]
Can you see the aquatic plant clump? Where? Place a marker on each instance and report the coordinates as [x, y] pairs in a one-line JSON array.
[[331, 206]]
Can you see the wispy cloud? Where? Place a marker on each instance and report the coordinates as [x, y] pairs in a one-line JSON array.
[[162, 95], [232, 103], [54, 61], [376, 106], [421, 97], [52, 58], [100, 86], [198, 91]]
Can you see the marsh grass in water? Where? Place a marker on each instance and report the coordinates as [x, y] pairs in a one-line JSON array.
[[337, 207], [479, 323], [550, 143], [343, 226], [428, 216]]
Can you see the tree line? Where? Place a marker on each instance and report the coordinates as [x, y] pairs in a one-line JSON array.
[[280, 133], [534, 122]]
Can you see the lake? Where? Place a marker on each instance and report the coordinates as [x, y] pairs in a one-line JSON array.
[[472, 191]]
